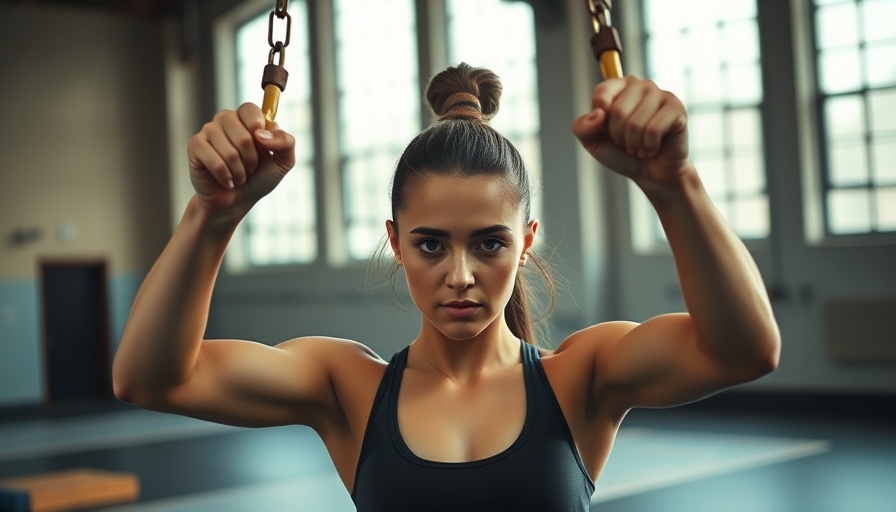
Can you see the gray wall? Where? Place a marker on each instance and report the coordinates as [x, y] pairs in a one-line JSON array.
[[83, 147]]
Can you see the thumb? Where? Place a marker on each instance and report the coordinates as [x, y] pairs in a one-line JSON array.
[[276, 156], [280, 145], [588, 128]]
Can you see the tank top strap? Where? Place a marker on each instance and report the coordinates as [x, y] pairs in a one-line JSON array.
[[530, 354]]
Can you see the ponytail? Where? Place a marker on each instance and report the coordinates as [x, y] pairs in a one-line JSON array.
[[518, 312]]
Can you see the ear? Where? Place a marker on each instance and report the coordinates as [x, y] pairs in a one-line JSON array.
[[392, 232], [528, 241]]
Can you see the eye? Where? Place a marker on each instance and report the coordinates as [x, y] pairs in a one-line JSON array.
[[492, 245], [429, 246]]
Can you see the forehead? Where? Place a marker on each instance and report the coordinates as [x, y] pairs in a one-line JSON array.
[[459, 203]]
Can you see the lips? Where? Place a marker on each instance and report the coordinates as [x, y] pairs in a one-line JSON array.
[[461, 308]]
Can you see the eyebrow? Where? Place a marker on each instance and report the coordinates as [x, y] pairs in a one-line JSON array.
[[441, 233]]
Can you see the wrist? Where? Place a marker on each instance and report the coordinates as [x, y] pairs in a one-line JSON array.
[[216, 222], [684, 187]]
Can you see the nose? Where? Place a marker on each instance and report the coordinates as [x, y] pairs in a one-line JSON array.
[[460, 272]]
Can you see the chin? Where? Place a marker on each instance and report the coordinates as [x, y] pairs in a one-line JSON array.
[[460, 334], [460, 331]]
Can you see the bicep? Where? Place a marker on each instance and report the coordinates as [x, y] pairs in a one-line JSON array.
[[658, 363], [251, 384]]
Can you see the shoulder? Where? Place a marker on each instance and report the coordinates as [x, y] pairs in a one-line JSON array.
[[577, 372], [327, 347], [586, 359], [596, 339], [335, 355], [352, 370]]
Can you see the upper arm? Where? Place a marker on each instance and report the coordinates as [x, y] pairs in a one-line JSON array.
[[658, 363], [251, 384]]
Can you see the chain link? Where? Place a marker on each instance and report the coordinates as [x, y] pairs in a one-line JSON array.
[[273, 15], [279, 47]]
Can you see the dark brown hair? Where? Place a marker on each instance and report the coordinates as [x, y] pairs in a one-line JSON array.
[[459, 144]]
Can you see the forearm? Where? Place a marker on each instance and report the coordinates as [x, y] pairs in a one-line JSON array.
[[161, 340], [722, 287]]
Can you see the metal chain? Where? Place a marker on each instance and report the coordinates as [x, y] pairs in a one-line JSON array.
[[279, 47]]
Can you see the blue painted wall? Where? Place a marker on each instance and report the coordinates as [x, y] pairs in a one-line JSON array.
[[21, 334]]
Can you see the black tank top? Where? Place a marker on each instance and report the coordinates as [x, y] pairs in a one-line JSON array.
[[540, 471]]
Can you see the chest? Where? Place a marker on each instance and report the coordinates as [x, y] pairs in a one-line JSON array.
[[448, 422]]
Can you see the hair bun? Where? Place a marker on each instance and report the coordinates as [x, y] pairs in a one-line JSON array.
[[457, 92]]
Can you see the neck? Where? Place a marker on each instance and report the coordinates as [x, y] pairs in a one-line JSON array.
[[464, 360]]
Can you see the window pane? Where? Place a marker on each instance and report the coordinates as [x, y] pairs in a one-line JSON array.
[[840, 70], [705, 86], [881, 64], [707, 130], [714, 177], [845, 117], [884, 161], [882, 105], [737, 10], [886, 209], [877, 19], [837, 25], [849, 211], [378, 102], [745, 128], [848, 164], [281, 228], [750, 216], [744, 83], [749, 174], [741, 42], [508, 49]]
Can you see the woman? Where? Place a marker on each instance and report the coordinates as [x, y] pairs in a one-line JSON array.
[[470, 416]]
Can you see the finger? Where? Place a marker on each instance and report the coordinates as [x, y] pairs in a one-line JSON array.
[[625, 103], [241, 140], [636, 124], [251, 117], [224, 147], [204, 158], [670, 119], [604, 93]]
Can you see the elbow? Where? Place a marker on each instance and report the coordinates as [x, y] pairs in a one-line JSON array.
[[121, 387], [129, 390], [768, 356], [124, 390]]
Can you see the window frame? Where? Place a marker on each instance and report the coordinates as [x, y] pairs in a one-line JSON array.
[[823, 234], [812, 148]]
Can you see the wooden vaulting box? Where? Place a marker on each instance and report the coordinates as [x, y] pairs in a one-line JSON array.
[[67, 490]]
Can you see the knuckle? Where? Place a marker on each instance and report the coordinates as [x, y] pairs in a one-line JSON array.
[[244, 141], [217, 168], [618, 111], [223, 115], [194, 142], [208, 127], [232, 157]]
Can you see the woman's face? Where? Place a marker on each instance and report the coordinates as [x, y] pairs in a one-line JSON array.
[[461, 241]]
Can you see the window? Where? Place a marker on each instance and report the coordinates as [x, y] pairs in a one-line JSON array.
[[855, 44], [707, 53], [281, 229], [508, 49], [379, 110]]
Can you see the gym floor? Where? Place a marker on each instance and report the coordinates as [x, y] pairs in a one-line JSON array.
[[789, 458]]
